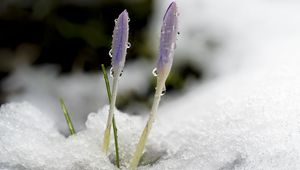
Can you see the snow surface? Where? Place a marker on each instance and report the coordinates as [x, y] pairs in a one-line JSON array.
[[247, 117], [29, 140]]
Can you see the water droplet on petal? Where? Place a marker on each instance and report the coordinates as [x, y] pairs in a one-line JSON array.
[[121, 73], [111, 72], [116, 20], [173, 46], [154, 72], [163, 92], [128, 45], [110, 53], [128, 19], [178, 33]]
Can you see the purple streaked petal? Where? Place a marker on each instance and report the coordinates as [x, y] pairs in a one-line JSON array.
[[120, 41], [168, 37]]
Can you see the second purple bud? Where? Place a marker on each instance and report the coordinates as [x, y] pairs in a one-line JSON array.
[[119, 44], [169, 31]]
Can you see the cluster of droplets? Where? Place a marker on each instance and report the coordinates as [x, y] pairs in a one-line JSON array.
[[110, 53], [111, 72], [116, 20]]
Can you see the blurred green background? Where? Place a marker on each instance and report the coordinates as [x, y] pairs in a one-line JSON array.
[[76, 35]]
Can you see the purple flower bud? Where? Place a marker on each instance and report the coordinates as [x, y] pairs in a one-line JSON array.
[[168, 38], [120, 42]]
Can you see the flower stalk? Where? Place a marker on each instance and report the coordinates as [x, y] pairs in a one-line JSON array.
[[107, 84], [118, 54], [168, 38]]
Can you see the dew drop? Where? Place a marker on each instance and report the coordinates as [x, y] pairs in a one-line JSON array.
[[110, 53], [163, 92], [154, 72], [111, 72], [178, 33], [128, 45], [121, 73], [128, 19], [173, 46], [116, 20]]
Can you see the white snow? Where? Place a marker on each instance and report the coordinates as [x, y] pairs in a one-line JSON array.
[[247, 117], [29, 140]]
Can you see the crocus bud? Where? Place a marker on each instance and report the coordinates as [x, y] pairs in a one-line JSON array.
[[120, 43], [166, 53], [168, 38], [118, 54]]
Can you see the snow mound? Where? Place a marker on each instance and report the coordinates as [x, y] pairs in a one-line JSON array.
[[30, 141]]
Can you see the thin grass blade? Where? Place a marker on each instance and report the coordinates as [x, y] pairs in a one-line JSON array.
[[67, 117], [107, 84]]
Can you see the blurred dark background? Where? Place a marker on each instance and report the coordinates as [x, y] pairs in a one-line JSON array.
[[76, 36]]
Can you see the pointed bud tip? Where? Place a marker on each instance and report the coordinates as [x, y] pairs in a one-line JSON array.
[[124, 13], [172, 9], [123, 16], [173, 5]]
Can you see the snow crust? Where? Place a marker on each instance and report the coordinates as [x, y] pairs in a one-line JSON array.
[[30, 140], [247, 117]]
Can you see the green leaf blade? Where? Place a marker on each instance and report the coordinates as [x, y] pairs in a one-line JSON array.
[[67, 117]]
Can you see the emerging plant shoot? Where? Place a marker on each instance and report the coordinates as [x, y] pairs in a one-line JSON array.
[[67, 117], [118, 54], [168, 38]]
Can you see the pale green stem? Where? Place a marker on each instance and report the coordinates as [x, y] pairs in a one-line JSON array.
[[113, 119], [141, 145], [106, 138]]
